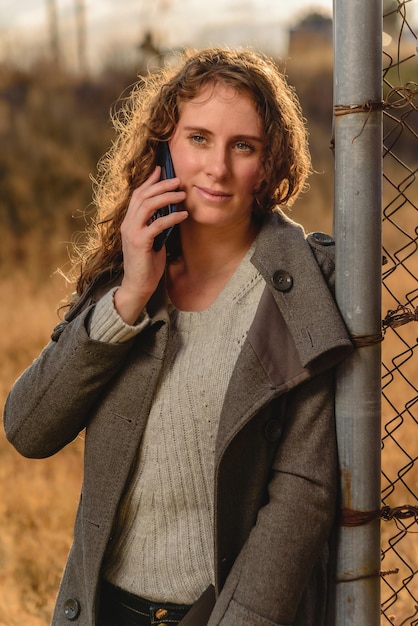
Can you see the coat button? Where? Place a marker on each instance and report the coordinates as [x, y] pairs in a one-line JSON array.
[[282, 280], [323, 239], [273, 430], [71, 609]]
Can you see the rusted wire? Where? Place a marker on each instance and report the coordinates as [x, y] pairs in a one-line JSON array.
[[405, 511], [351, 517], [362, 341], [367, 107], [406, 95], [389, 572], [400, 316]]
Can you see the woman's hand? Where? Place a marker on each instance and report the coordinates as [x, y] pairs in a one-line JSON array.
[[143, 266]]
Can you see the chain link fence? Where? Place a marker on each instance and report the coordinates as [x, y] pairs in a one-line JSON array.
[[399, 543]]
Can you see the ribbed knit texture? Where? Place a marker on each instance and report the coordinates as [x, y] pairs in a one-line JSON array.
[[107, 325], [163, 549]]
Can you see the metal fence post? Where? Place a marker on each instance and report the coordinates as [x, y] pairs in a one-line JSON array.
[[357, 226]]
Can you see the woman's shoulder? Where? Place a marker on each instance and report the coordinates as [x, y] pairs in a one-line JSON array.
[[283, 242], [282, 236], [323, 247]]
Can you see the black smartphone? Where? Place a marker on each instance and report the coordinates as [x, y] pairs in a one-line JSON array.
[[167, 171]]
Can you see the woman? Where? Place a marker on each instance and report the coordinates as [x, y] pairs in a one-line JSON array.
[[202, 372]]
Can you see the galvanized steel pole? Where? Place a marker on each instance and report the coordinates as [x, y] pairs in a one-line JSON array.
[[357, 231]]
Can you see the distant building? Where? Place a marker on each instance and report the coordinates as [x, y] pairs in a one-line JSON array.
[[312, 32]]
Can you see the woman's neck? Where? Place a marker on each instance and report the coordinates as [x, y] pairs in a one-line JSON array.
[[207, 250], [209, 258]]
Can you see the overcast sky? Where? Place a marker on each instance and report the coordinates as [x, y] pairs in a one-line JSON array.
[[115, 24]]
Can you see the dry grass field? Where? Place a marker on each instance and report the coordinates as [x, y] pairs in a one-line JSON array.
[[38, 498]]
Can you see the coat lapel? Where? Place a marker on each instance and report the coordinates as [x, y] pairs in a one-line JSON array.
[[297, 332]]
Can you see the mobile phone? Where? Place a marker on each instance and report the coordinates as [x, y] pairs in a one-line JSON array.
[[167, 171]]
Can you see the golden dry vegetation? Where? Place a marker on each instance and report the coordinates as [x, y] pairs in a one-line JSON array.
[[38, 497], [54, 128]]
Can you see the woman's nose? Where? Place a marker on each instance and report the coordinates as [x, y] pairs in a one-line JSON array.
[[217, 163]]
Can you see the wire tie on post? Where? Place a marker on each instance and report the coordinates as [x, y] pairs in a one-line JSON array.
[[362, 341], [352, 517], [368, 107]]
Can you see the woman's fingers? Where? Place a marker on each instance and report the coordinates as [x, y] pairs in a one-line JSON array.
[[138, 229], [143, 266], [153, 195]]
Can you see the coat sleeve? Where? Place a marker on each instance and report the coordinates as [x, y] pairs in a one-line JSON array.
[[51, 401], [269, 577]]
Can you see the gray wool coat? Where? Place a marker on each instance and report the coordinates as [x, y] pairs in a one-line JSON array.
[[276, 470]]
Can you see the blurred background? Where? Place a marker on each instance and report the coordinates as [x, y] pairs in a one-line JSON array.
[[63, 66], [65, 63], [91, 34]]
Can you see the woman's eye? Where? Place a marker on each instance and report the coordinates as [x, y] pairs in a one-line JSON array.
[[243, 146], [196, 138]]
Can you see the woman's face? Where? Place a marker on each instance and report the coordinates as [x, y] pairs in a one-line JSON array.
[[217, 150]]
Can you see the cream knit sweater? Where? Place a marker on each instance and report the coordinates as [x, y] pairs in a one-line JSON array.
[[163, 547]]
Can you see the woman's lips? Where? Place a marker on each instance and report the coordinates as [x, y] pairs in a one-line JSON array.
[[213, 195]]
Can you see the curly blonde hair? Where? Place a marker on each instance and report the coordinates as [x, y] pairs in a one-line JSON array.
[[150, 115]]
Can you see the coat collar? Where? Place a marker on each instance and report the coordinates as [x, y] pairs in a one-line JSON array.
[[300, 291]]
